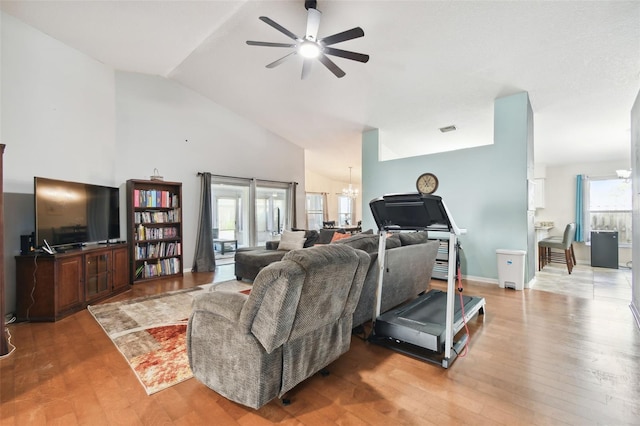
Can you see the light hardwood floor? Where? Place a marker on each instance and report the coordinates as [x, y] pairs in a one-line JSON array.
[[537, 357]]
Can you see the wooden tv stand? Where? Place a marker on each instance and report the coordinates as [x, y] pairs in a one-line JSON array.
[[50, 287]]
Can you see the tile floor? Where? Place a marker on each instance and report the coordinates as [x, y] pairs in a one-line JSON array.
[[586, 281]]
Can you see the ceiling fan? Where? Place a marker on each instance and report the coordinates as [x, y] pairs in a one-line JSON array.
[[310, 47]]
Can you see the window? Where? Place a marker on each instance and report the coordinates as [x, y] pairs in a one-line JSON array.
[[314, 210], [250, 211], [346, 210], [610, 207]]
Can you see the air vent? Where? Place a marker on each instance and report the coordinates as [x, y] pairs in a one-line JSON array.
[[448, 129]]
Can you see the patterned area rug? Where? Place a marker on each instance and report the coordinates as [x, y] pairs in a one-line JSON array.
[[150, 332]]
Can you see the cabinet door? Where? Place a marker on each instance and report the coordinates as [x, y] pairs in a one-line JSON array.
[[539, 193], [97, 275], [120, 269], [68, 283]]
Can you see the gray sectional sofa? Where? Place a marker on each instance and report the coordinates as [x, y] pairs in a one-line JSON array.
[[250, 260], [409, 261]]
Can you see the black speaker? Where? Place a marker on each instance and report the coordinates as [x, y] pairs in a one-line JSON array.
[[26, 244]]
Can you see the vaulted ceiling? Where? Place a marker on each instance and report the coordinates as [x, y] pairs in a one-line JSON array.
[[433, 64]]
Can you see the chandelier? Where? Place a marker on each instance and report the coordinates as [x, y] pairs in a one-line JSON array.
[[623, 174], [350, 192]]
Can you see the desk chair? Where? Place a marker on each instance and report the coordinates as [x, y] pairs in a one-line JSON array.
[[565, 245]]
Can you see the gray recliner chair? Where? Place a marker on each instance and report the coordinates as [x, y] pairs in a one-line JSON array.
[[296, 320]]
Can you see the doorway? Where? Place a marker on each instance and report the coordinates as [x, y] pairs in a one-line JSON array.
[[250, 211]]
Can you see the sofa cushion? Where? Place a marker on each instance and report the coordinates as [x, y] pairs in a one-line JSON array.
[[364, 242], [408, 238], [248, 263], [291, 240], [369, 242]]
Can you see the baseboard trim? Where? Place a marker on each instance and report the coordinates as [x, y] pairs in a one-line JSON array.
[[481, 279]]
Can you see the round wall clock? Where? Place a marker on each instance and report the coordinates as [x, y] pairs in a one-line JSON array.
[[427, 183]]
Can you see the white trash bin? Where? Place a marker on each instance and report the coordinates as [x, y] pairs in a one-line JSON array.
[[511, 268]]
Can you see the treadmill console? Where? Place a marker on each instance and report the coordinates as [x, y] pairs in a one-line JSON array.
[[410, 212]]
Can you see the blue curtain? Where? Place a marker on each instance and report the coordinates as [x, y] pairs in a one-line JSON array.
[[579, 208]]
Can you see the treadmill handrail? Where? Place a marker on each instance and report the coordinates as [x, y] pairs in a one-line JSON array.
[[454, 227]]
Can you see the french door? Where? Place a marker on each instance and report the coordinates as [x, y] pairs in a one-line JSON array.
[[229, 198], [250, 211]]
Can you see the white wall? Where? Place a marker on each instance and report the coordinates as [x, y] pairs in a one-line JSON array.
[[58, 111], [161, 124], [69, 117], [318, 183], [560, 199]]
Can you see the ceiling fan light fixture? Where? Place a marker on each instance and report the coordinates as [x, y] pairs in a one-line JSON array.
[[448, 128], [312, 47], [309, 49]]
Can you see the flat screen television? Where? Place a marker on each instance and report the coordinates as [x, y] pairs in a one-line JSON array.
[[73, 213]]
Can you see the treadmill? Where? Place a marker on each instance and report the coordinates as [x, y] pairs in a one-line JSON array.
[[424, 327]]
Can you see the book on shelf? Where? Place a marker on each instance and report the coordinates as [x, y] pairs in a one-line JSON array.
[[162, 267], [144, 233], [157, 216], [155, 198], [139, 271], [157, 250]]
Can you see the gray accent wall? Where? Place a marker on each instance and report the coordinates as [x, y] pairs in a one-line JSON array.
[[485, 188]]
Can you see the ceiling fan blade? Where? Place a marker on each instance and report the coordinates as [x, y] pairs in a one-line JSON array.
[[279, 27], [281, 60], [360, 57], [331, 65], [343, 36], [269, 44], [306, 68], [313, 23]]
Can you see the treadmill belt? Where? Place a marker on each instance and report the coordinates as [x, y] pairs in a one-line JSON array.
[[436, 312], [422, 322]]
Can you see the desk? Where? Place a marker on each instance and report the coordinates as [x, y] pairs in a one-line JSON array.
[[223, 243]]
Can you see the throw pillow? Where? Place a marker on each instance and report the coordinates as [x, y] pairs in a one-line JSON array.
[[337, 236], [327, 234], [311, 237], [408, 238], [291, 240], [392, 242], [365, 242]]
